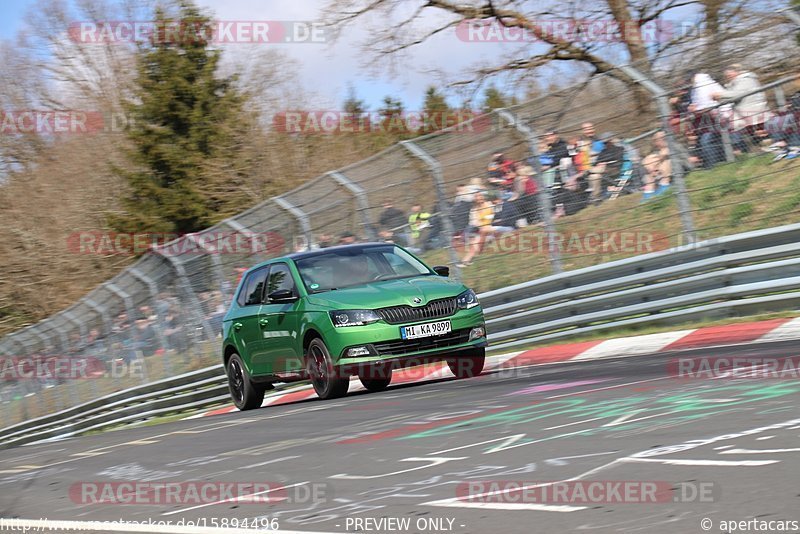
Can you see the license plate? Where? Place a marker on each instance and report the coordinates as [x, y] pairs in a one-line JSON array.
[[425, 330]]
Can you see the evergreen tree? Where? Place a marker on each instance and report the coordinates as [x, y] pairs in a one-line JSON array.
[[355, 112], [184, 117], [392, 121], [435, 109], [493, 98]]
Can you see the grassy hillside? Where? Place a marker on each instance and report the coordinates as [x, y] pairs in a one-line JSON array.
[[749, 194]]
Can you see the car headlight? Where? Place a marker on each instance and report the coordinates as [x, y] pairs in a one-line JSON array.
[[353, 317], [468, 299]]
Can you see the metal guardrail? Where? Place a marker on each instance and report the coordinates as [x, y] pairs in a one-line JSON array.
[[734, 275]]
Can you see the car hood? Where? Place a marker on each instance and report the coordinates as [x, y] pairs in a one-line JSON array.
[[389, 293]]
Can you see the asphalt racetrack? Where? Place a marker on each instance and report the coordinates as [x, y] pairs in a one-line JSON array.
[[459, 456]]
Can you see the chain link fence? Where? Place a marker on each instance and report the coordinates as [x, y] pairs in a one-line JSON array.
[[641, 158]]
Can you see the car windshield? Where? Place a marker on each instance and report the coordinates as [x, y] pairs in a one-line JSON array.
[[340, 268]]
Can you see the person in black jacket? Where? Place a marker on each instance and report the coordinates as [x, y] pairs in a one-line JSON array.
[[557, 148], [608, 166]]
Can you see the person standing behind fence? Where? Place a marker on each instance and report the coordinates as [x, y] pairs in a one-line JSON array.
[[480, 226], [417, 221], [707, 120], [392, 224], [750, 112]]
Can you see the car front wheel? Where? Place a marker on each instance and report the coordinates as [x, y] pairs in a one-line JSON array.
[[468, 365], [245, 394], [325, 377], [376, 377]]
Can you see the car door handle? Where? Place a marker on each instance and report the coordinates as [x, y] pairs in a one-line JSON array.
[[237, 326], [263, 321]]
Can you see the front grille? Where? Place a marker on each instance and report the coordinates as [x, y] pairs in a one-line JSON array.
[[406, 346], [435, 309]]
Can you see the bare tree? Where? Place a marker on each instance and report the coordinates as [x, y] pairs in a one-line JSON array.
[[645, 32]]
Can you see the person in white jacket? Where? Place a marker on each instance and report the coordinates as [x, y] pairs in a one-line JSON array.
[[749, 112]]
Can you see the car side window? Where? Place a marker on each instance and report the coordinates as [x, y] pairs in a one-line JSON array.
[[280, 277], [253, 288]]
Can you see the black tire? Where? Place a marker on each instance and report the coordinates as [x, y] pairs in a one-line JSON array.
[[469, 365], [325, 377], [376, 377], [245, 394]]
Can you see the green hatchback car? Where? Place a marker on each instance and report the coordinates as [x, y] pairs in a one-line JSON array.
[[331, 313]]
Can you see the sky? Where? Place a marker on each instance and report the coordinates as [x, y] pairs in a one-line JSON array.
[[324, 69], [328, 70]]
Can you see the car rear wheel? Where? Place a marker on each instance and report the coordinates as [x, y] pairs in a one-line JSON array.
[[376, 377], [468, 365], [325, 377], [245, 394]]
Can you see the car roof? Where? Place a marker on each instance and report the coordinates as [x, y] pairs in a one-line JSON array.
[[319, 251], [338, 248]]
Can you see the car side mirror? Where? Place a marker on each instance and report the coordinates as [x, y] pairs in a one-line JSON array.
[[281, 295], [442, 270]]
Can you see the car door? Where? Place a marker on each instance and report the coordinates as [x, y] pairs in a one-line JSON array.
[[282, 321], [245, 323]]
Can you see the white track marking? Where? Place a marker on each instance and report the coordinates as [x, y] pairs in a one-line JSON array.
[[626, 346], [432, 462], [716, 463], [270, 462], [532, 506], [758, 451], [235, 499]]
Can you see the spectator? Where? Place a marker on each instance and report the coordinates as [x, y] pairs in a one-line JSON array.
[[607, 167], [593, 145], [480, 226], [300, 243], [505, 187], [657, 167], [580, 152], [784, 128], [498, 167], [325, 240], [749, 112], [145, 337], [525, 190], [174, 333], [417, 221], [505, 216], [706, 120], [556, 147], [347, 238], [392, 219]]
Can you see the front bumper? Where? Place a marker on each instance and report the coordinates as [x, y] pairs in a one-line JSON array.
[[385, 344]]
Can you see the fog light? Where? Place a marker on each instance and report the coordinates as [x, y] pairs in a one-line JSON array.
[[357, 351], [477, 333]]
